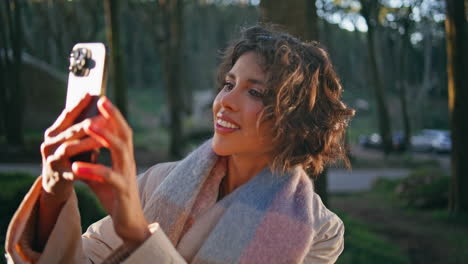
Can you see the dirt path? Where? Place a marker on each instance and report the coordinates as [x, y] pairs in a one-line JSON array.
[[422, 238]]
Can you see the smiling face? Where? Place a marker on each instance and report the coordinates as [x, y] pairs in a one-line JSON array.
[[236, 109]]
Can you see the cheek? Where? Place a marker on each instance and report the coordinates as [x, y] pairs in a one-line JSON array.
[[252, 115], [266, 130]]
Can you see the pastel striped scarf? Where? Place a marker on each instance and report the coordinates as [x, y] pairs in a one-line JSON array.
[[266, 220]]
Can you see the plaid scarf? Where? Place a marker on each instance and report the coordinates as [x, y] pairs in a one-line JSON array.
[[266, 220]]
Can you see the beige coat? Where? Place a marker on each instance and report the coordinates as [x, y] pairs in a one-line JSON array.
[[67, 245]]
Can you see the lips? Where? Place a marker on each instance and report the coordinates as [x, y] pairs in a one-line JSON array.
[[225, 125], [227, 122]]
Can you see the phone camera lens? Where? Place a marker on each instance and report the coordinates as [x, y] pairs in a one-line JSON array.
[[79, 61]]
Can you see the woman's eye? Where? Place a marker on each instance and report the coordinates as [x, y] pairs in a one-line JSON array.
[[255, 93], [228, 86]]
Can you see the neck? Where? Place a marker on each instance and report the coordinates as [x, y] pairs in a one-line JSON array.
[[242, 168]]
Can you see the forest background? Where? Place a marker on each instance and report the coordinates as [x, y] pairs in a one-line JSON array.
[[402, 64]]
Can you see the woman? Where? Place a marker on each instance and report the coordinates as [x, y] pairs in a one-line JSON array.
[[241, 197]]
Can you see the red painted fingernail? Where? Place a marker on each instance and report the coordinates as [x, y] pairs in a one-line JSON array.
[[87, 174], [84, 170], [107, 103]]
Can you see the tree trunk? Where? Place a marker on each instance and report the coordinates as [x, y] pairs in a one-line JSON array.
[[312, 21], [117, 74], [57, 34], [170, 51], [402, 93], [457, 69], [3, 68], [382, 109], [14, 97], [422, 93], [299, 17]]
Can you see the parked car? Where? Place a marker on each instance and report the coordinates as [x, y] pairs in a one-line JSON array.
[[431, 140], [374, 140], [370, 141], [444, 145]]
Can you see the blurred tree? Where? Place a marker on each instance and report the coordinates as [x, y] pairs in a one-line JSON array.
[[402, 24], [369, 10], [457, 68], [11, 91], [117, 72], [298, 16], [55, 26], [170, 52], [402, 81], [3, 65], [205, 29], [300, 19], [428, 80], [398, 34], [401, 51]]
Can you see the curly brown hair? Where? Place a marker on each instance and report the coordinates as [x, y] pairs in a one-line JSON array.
[[302, 98]]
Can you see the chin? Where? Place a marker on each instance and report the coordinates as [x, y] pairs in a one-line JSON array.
[[220, 147]]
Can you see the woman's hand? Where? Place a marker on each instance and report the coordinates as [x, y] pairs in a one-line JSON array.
[[61, 141], [115, 187]]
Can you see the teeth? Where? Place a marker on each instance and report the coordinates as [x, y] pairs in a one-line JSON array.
[[226, 124]]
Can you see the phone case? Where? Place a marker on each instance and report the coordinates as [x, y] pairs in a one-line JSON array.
[[94, 82], [88, 74]]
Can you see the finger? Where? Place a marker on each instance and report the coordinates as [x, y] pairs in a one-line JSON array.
[[74, 132], [68, 116], [107, 137], [72, 148], [97, 173], [60, 170], [104, 133], [110, 112], [51, 145]]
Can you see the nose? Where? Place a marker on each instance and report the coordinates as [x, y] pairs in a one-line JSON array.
[[230, 99]]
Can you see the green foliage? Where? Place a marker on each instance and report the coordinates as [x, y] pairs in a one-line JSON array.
[[384, 185], [425, 188], [397, 160], [364, 246], [444, 215], [16, 185], [450, 227], [458, 253]]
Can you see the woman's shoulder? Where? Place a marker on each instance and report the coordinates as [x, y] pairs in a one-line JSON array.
[[328, 239], [318, 213], [325, 222], [321, 215]]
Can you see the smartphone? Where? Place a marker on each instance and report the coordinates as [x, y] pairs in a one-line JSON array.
[[87, 74]]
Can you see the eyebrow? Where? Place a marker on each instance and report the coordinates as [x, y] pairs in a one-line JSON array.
[[254, 81]]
